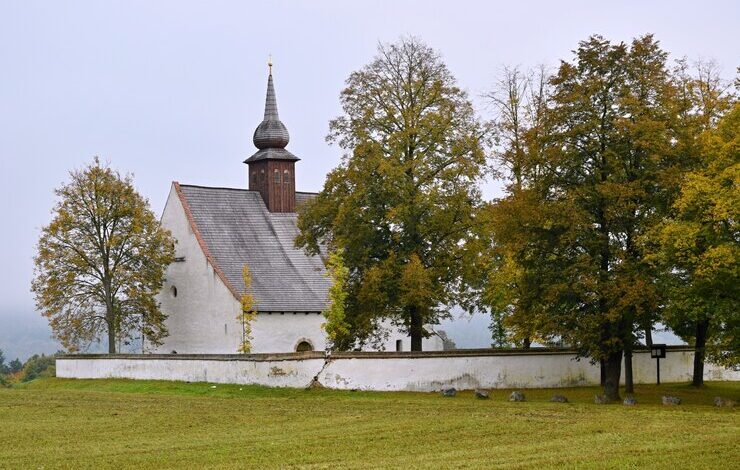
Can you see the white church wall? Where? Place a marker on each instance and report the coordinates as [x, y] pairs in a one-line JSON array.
[[281, 332], [385, 371], [202, 317], [394, 335]]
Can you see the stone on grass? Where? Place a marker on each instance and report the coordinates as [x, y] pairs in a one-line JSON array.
[[724, 402], [559, 399], [482, 394], [630, 401], [601, 400], [516, 396], [670, 401], [449, 392]]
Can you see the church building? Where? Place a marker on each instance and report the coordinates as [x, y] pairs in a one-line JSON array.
[[219, 231]]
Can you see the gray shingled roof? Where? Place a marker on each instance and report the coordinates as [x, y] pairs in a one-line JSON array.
[[238, 229]]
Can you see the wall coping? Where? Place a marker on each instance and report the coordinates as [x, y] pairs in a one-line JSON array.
[[296, 356]]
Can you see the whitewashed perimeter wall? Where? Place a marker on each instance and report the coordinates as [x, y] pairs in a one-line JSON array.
[[384, 371]]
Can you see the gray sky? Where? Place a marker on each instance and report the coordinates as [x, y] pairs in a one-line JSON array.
[[172, 90]]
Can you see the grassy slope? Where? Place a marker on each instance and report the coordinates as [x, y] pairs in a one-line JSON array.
[[119, 423]]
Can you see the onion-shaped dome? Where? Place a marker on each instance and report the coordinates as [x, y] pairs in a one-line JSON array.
[[271, 133]]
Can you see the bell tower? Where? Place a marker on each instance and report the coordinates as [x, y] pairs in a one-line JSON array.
[[272, 167]]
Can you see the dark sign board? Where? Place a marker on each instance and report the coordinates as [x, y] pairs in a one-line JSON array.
[[657, 351]]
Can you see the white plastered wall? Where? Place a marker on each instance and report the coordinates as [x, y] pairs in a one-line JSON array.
[[385, 371]]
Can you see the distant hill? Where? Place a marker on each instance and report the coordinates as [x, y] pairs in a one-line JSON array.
[[23, 334]]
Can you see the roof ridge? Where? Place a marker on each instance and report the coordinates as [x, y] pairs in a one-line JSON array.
[[213, 187], [232, 189]]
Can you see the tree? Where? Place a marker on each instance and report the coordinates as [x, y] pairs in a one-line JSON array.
[[700, 250], [336, 326], [402, 203], [101, 261], [15, 366], [573, 232], [519, 100], [4, 369], [248, 312], [39, 366]]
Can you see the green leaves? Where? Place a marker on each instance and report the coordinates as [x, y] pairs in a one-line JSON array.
[[336, 326], [402, 202], [698, 246]]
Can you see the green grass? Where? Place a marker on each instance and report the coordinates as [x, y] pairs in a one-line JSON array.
[[53, 423]]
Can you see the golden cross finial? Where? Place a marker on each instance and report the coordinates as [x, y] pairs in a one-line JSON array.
[[269, 63]]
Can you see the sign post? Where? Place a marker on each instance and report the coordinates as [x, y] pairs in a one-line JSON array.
[[657, 352]]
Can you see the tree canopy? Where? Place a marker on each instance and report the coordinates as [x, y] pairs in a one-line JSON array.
[[402, 203], [101, 261], [699, 248], [586, 188]]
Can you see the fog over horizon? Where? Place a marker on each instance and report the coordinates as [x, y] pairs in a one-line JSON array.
[[173, 90]]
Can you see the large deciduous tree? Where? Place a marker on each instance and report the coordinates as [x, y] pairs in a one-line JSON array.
[[700, 250], [571, 232], [519, 101], [401, 205], [101, 261]]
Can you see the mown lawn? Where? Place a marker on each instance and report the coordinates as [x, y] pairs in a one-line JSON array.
[[54, 423]]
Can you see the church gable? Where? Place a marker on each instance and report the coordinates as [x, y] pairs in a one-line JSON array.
[[235, 229]]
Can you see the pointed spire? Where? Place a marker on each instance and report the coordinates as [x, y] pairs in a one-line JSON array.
[[271, 133], [271, 111]]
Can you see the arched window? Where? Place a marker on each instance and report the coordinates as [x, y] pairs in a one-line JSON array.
[[173, 289], [276, 175], [304, 346], [254, 177], [286, 176]]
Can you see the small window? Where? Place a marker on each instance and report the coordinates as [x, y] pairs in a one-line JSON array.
[[254, 177], [286, 176], [304, 346], [173, 289], [276, 175], [399, 345]]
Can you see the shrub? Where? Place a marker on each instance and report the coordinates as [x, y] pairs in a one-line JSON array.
[[39, 366]]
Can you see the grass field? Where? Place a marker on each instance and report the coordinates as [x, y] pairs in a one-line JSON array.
[[54, 423]]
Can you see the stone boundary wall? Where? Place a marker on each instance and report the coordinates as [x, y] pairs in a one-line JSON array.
[[385, 371]]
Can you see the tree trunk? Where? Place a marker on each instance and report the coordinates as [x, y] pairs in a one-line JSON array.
[[629, 385], [415, 329], [526, 343], [612, 373], [649, 335], [602, 372], [699, 350], [111, 338]]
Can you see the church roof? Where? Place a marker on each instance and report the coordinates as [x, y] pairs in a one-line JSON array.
[[234, 228]]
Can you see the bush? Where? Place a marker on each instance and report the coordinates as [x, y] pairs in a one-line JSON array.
[[39, 366], [4, 381], [15, 366]]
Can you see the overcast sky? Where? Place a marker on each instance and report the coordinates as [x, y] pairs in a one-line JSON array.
[[172, 90]]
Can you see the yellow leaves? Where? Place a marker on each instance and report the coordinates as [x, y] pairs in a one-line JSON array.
[[416, 285], [248, 312], [101, 260]]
